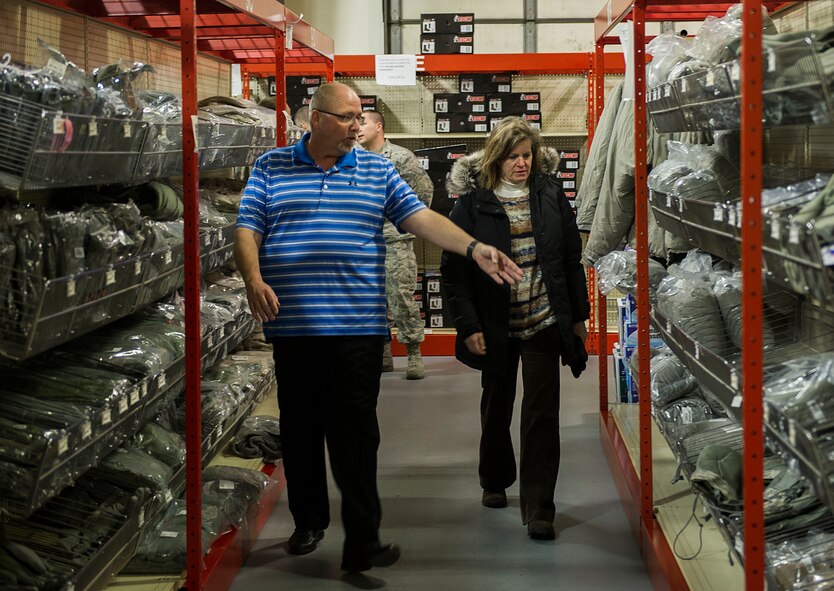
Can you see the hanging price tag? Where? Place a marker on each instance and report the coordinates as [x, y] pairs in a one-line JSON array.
[[207, 239], [209, 342], [668, 201], [734, 381], [793, 234], [137, 268], [697, 351], [775, 229], [168, 496], [827, 253], [161, 381], [710, 81], [134, 397], [123, 405], [58, 125], [92, 129], [86, 430], [163, 132], [736, 402], [143, 391], [70, 288], [718, 213], [110, 277], [226, 485], [141, 517], [128, 131], [63, 445], [169, 534], [792, 432], [731, 216], [667, 91], [738, 215], [680, 204], [168, 257], [683, 85], [106, 418], [771, 60]]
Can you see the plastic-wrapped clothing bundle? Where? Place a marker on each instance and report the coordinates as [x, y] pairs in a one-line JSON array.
[[820, 211], [667, 51], [670, 379], [159, 107], [234, 490], [157, 201], [161, 443], [727, 291], [238, 375], [802, 388], [718, 473], [163, 548], [259, 437], [687, 301], [134, 467], [618, 270], [805, 563], [685, 411]]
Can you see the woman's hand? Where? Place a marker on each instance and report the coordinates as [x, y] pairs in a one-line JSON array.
[[581, 330], [476, 344]]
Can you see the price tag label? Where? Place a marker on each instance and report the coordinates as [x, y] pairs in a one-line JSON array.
[[161, 381], [667, 91], [111, 277], [766, 412], [70, 288], [92, 130], [668, 200], [127, 128], [736, 401], [771, 60], [134, 397], [226, 485], [792, 432], [207, 239], [209, 342], [735, 72], [710, 81], [827, 253], [123, 405], [168, 534], [63, 445], [78, 251], [793, 234], [169, 316], [683, 85], [697, 351], [775, 229], [680, 204], [734, 381], [58, 126], [144, 389], [141, 517], [168, 496], [718, 213], [168, 257], [731, 216], [59, 69], [163, 132], [106, 418], [240, 357], [86, 430], [738, 215], [137, 268]]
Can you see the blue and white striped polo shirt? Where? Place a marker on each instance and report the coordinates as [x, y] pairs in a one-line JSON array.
[[323, 251]]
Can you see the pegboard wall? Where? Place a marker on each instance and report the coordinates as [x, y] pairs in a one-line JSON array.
[[90, 44], [410, 109]]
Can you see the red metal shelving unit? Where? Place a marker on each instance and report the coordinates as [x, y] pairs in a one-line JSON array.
[[635, 486]]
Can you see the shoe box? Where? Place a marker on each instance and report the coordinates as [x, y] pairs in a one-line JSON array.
[[447, 44], [438, 163], [514, 102], [485, 83], [296, 102], [303, 85], [462, 123], [462, 103], [568, 180], [534, 119], [369, 102], [437, 312], [568, 172], [447, 24]]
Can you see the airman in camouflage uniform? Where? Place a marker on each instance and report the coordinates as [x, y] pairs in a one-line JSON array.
[[400, 261]]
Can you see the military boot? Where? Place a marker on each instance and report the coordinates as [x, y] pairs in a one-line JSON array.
[[387, 358], [415, 370]]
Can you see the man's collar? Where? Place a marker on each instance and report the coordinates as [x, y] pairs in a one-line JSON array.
[[300, 152]]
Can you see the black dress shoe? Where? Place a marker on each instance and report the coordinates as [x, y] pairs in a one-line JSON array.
[[494, 500], [378, 555], [539, 529], [304, 541]]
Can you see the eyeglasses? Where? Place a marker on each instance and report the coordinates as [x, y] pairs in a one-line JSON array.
[[344, 118]]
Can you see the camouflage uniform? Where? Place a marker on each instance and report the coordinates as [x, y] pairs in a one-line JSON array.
[[400, 262]]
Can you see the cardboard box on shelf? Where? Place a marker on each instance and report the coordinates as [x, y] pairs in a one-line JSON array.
[[460, 103], [369, 102], [458, 123], [447, 23], [485, 83], [447, 44], [513, 102]]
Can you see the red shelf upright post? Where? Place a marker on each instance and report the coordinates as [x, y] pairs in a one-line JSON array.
[[193, 410], [280, 90], [244, 77], [641, 219], [751, 304], [602, 303], [330, 70]]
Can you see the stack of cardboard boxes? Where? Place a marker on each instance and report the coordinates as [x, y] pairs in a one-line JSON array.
[[567, 173], [300, 90], [447, 33], [438, 164], [482, 101]]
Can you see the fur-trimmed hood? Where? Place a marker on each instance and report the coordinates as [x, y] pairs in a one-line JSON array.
[[464, 176]]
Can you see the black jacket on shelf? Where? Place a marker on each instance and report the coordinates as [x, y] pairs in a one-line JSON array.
[[477, 303]]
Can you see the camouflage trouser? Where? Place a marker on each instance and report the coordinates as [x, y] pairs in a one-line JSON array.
[[400, 282]]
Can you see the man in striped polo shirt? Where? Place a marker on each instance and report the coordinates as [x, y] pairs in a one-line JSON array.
[[310, 247]]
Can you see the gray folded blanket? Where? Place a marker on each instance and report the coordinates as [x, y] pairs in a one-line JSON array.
[[258, 437]]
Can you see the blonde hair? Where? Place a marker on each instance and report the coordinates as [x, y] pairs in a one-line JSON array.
[[509, 132]]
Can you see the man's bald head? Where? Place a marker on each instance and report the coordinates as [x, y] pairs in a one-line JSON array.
[[332, 95]]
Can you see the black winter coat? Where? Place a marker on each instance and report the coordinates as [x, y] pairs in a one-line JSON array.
[[477, 303]]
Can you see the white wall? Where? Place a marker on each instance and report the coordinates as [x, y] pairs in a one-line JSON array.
[[356, 26]]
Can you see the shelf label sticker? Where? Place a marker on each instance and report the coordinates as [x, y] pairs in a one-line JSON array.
[[92, 129], [667, 91], [683, 85], [240, 357], [718, 213], [137, 268], [78, 251], [793, 234], [63, 445], [134, 397], [734, 380], [123, 405], [668, 327], [736, 403], [168, 257], [70, 288], [110, 277], [106, 418], [128, 130], [775, 229], [827, 253], [209, 342], [163, 132], [226, 485], [731, 216], [668, 201], [680, 204], [58, 68], [169, 534], [766, 412], [792, 432], [424, 162], [144, 389], [58, 125], [86, 430], [161, 381], [735, 72], [771, 60], [738, 215], [710, 81], [571, 164], [697, 351], [141, 518], [207, 239], [168, 496]]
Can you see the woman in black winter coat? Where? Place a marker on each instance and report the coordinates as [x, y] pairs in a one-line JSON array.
[[509, 197]]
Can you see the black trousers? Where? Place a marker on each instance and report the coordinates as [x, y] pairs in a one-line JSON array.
[[327, 392], [540, 448]]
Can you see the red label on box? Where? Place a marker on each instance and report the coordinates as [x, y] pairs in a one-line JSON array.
[[311, 81], [569, 155], [570, 194], [532, 117], [565, 175], [453, 156], [463, 39], [530, 97], [477, 118], [475, 98], [464, 18]]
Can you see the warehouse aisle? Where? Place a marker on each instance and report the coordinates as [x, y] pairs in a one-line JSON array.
[[431, 503]]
